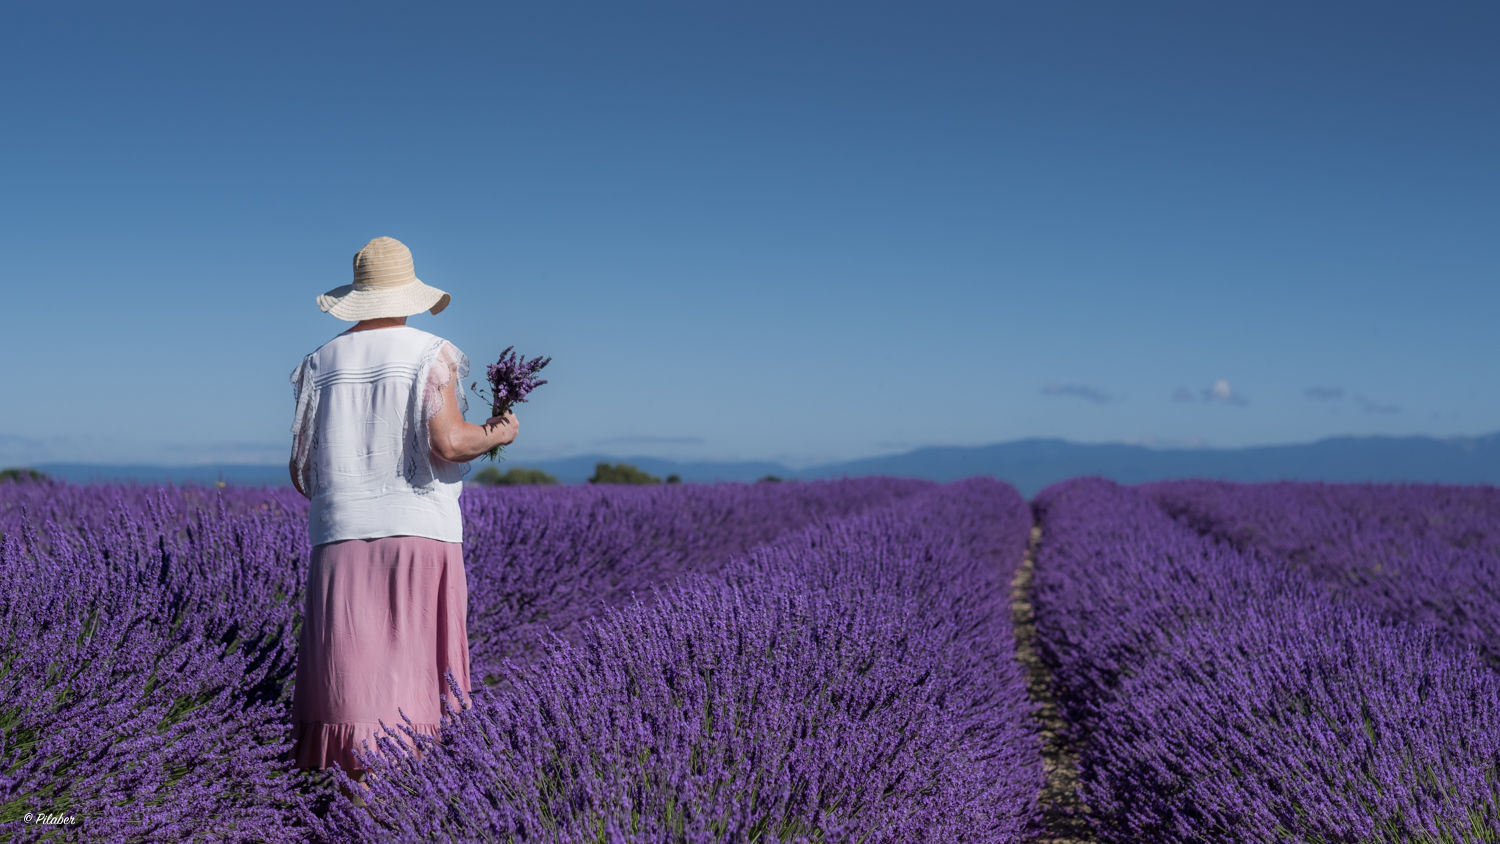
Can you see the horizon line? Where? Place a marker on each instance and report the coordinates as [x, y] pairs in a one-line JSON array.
[[878, 456]]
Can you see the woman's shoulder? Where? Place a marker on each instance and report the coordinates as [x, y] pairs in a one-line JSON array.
[[432, 346], [363, 349], [306, 365], [314, 360], [424, 338], [398, 337]]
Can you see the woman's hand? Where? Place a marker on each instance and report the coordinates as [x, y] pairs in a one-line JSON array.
[[292, 467], [505, 427]]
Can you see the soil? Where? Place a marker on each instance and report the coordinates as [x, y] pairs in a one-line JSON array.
[[1064, 814]]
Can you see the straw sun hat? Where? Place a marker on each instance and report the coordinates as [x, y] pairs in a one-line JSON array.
[[385, 285]]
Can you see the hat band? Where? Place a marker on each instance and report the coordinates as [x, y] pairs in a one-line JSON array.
[[384, 283]]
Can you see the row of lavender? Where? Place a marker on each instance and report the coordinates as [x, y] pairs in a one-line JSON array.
[[541, 561], [149, 635], [1222, 691], [1426, 555], [853, 681]]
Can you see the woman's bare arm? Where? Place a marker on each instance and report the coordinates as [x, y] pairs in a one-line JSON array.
[[458, 441]]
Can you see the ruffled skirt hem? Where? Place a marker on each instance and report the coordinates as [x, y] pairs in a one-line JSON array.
[[319, 745]]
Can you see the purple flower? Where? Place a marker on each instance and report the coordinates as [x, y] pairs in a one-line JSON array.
[[511, 380]]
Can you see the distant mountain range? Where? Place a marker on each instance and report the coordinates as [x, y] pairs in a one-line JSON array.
[[1029, 464], [1033, 464]]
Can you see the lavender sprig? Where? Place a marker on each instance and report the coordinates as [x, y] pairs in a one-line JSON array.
[[511, 379]]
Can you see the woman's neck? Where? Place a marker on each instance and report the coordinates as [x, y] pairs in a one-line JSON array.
[[383, 322]]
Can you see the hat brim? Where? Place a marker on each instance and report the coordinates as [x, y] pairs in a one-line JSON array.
[[351, 304]]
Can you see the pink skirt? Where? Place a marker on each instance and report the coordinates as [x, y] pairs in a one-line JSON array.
[[384, 619]]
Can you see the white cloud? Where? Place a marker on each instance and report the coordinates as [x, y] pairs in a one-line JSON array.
[[1218, 391]]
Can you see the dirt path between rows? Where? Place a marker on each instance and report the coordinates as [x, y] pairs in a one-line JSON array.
[[1062, 811]]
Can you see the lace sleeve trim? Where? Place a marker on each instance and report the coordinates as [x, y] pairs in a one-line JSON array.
[[435, 372], [439, 374]]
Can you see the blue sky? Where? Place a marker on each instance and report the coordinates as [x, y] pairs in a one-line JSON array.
[[791, 231]]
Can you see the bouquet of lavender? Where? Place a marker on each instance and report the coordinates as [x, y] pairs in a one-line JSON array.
[[511, 379]]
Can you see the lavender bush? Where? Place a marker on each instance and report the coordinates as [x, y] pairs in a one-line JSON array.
[[1220, 696], [1418, 554], [854, 681], [147, 644], [542, 560], [150, 633]]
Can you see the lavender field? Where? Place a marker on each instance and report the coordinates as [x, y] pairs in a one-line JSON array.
[[793, 662], [1280, 662], [798, 662]]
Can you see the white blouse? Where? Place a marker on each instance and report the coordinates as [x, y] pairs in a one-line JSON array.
[[359, 441]]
